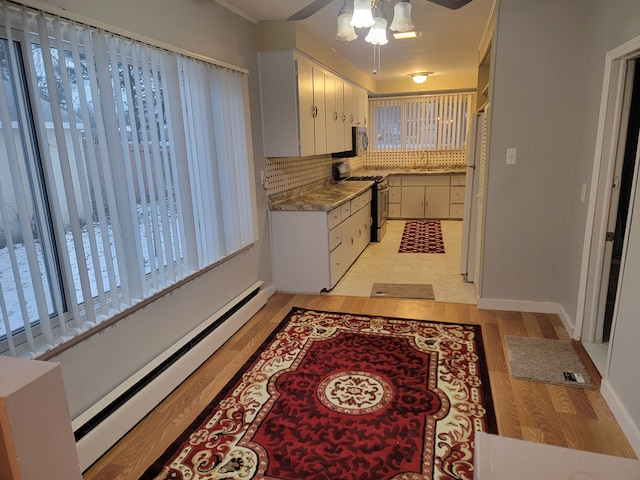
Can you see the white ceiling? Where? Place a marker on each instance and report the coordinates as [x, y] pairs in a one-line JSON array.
[[448, 45]]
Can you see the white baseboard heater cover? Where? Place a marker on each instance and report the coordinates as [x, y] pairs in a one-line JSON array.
[[103, 425]]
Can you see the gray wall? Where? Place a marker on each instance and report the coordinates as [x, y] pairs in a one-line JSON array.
[[92, 368], [549, 68], [535, 106]]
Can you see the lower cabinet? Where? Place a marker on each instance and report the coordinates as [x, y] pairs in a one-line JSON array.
[[313, 249], [425, 196]]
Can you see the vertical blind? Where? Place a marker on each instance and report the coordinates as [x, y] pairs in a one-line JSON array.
[[430, 122], [124, 168]]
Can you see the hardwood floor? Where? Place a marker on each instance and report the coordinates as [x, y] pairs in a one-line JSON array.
[[563, 416]]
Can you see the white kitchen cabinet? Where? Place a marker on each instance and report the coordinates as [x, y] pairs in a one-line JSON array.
[[456, 207], [362, 99], [293, 105], [312, 249], [425, 196], [306, 109], [350, 106]]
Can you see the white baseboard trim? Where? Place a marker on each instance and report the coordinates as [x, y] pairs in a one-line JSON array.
[[96, 442], [567, 321], [630, 429]]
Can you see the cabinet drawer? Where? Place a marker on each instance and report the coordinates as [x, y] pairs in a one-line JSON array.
[[334, 217], [394, 210], [425, 180], [457, 194], [456, 210], [345, 210], [395, 194], [366, 198], [395, 181], [335, 237], [458, 180]]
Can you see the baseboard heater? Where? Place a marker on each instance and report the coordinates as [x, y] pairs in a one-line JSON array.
[[94, 436]]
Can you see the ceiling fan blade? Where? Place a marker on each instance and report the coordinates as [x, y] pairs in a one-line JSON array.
[[309, 10], [452, 4]]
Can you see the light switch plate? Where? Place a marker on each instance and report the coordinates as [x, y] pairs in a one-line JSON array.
[[511, 156]]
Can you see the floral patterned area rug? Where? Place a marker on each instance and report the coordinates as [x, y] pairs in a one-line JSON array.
[[422, 236], [341, 396]]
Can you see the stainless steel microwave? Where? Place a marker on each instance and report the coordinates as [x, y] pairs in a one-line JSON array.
[[359, 142]]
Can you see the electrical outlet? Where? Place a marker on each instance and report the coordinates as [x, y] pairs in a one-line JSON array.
[[583, 193], [511, 156]]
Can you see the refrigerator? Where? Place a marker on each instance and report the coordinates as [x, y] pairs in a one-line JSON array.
[[474, 156]]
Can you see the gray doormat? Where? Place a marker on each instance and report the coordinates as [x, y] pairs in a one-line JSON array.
[[546, 360], [403, 290]]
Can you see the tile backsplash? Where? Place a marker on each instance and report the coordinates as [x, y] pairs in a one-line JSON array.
[[286, 173]]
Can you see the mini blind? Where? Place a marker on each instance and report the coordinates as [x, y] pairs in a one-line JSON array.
[[428, 122]]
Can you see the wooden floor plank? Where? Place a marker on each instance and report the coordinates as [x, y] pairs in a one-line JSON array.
[[563, 416]]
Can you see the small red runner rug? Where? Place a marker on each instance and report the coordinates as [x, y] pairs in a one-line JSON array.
[[341, 396], [422, 237]]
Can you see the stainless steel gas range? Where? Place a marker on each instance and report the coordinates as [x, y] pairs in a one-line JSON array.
[[379, 198]]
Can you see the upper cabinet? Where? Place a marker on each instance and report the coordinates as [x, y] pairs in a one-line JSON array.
[[306, 109], [363, 107], [485, 71]]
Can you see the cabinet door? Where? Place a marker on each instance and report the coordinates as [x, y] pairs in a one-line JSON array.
[[351, 107], [306, 108], [330, 93], [362, 107], [412, 203], [437, 202], [341, 127], [320, 118], [336, 269]]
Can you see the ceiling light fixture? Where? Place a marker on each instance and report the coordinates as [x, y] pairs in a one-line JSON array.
[[346, 32], [405, 35], [370, 13], [362, 17], [378, 33], [420, 77], [401, 17]]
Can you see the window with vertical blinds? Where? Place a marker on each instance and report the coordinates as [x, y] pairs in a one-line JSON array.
[[124, 168], [428, 122]]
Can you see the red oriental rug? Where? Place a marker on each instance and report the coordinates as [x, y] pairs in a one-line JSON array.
[[341, 396], [422, 237]]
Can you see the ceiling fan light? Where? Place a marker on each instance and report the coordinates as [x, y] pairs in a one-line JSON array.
[[362, 17], [378, 33], [346, 32], [402, 17]]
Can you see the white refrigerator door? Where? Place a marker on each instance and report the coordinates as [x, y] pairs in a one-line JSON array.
[[467, 254]]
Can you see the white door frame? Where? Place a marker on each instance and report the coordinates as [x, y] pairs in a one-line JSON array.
[[606, 150]]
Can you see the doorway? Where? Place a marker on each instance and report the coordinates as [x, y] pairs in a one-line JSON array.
[[608, 211], [619, 214]]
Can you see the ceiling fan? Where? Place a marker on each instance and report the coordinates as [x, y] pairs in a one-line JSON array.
[[316, 5]]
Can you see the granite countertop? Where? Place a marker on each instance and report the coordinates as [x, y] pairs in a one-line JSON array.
[[323, 196], [407, 171], [329, 194]]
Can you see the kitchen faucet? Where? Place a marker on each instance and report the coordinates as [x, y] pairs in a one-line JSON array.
[[424, 155]]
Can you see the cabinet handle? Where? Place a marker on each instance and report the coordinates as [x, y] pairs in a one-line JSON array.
[[351, 118], [344, 118], [314, 111], [335, 116]]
